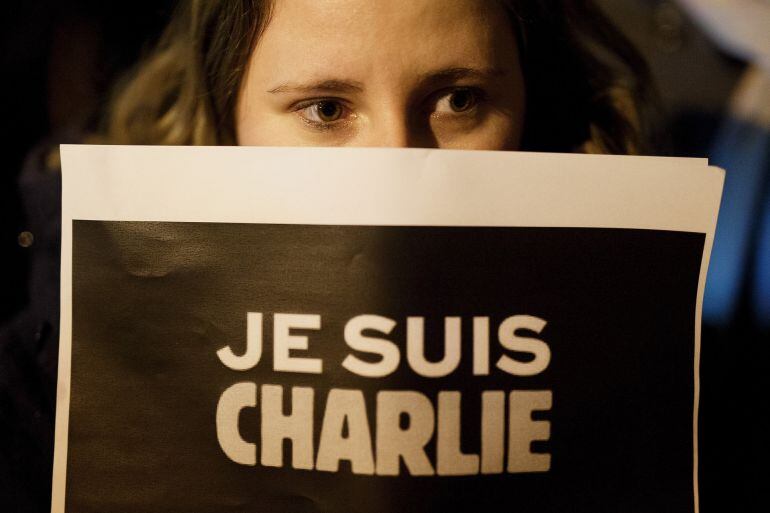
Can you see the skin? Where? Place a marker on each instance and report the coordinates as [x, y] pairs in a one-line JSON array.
[[400, 73]]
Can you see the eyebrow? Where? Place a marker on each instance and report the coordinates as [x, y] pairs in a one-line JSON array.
[[334, 85], [325, 86], [459, 73]]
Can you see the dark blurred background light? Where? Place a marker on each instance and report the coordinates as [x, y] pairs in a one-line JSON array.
[[710, 60]]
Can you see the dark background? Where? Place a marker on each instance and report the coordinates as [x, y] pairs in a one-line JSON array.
[[619, 326], [59, 59]]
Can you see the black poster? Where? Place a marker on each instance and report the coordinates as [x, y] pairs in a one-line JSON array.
[[222, 367]]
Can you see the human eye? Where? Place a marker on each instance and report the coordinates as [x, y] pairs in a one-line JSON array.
[[458, 100], [324, 114]]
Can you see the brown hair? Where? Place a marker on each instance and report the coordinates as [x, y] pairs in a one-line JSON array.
[[587, 87]]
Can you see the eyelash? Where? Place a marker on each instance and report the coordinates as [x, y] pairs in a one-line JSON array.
[[320, 125], [479, 97]]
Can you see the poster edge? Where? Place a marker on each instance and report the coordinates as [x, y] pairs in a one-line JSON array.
[[63, 381], [705, 261]]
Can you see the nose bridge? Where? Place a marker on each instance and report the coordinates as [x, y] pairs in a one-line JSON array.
[[392, 128], [395, 127]]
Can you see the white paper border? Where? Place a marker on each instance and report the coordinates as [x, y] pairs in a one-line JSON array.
[[376, 186]]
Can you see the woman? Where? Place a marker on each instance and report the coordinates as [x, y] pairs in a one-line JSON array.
[[546, 75], [538, 75]]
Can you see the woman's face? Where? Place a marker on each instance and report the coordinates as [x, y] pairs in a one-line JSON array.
[[420, 73]]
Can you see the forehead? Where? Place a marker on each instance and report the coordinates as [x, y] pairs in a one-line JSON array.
[[368, 37]]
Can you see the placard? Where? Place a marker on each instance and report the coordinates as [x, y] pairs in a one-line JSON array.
[[379, 330]]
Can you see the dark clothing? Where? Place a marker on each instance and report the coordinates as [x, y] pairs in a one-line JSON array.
[[29, 349]]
